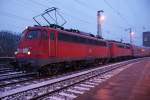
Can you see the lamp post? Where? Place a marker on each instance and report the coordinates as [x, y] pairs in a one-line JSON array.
[[131, 33], [100, 18]]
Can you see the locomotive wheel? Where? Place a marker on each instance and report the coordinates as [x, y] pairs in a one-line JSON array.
[[49, 70], [54, 69], [76, 66], [44, 71], [105, 61]]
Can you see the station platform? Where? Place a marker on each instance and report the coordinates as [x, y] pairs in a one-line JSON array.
[[132, 83]]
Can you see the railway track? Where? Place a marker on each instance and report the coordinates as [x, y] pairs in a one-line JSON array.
[[66, 86], [17, 79], [7, 85], [15, 75], [5, 68]]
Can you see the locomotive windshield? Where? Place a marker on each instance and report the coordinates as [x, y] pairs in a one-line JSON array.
[[33, 34]]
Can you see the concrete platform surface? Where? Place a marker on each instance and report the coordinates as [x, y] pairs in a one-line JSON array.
[[131, 84]]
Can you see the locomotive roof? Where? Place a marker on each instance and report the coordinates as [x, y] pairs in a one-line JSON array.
[[113, 41], [67, 31]]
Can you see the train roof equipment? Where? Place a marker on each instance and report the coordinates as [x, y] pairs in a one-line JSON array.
[[50, 14]]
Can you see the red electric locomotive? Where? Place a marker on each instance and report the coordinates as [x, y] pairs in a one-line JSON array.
[[144, 51], [47, 48], [120, 50], [50, 49], [136, 51], [140, 51]]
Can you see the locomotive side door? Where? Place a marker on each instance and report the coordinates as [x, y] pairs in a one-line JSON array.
[[52, 44]]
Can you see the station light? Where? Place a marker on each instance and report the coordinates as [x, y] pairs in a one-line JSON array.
[[132, 33], [102, 18]]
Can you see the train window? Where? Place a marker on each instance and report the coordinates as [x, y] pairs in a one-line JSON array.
[[62, 37], [74, 39], [84, 40], [110, 44], [67, 37], [88, 41], [101, 43], [44, 35], [92, 42], [127, 46], [77, 39], [33, 34], [70, 38], [81, 40], [120, 46], [95, 42], [52, 36]]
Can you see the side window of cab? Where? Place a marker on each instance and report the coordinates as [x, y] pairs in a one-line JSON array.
[[44, 35], [52, 36]]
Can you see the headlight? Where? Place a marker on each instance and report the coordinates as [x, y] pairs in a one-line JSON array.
[[24, 50], [16, 52], [28, 52]]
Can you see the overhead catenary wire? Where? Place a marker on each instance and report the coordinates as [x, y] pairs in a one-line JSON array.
[[40, 4], [117, 12], [76, 18], [25, 5], [84, 4], [11, 15], [65, 13], [12, 26], [70, 10]]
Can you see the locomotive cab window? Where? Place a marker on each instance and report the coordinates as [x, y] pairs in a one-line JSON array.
[[52, 36], [33, 34], [44, 35]]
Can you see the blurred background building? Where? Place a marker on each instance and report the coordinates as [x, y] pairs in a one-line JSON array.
[[146, 39]]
